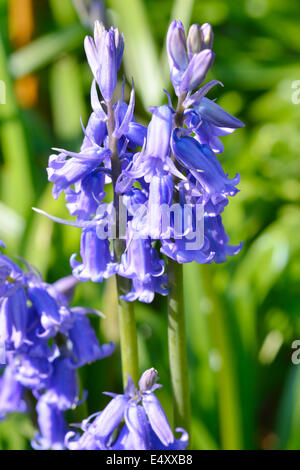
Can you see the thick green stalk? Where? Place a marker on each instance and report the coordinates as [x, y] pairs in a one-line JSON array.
[[128, 338], [127, 323], [177, 329], [177, 347]]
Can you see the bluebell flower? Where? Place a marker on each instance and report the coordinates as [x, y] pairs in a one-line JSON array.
[[154, 159], [46, 307], [104, 53], [62, 387], [64, 171], [85, 345], [13, 316], [142, 264], [178, 251], [132, 421], [199, 38], [11, 394], [84, 199], [174, 159], [97, 259], [202, 163], [189, 59], [46, 341], [52, 427], [218, 239], [32, 365], [209, 122]]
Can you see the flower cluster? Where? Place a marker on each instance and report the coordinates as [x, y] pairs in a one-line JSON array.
[[132, 421], [172, 188], [172, 163], [46, 341]]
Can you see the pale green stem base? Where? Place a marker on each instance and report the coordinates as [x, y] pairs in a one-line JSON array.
[[128, 340], [177, 347], [127, 323]]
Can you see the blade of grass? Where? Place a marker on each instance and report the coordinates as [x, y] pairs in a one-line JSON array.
[[43, 50], [288, 423], [140, 56], [67, 98], [16, 180], [63, 12], [228, 389]]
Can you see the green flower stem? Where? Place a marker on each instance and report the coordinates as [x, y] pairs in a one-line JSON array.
[[128, 338], [177, 329], [178, 348], [127, 323]]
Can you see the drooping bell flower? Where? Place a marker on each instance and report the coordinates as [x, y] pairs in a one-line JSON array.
[[132, 421], [218, 239], [83, 201], [11, 394], [97, 260], [154, 159], [209, 122], [202, 163], [62, 388], [85, 344], [13, 318], [32, 366], [52, 427], [64, 171], [142, 264], [46, 306]]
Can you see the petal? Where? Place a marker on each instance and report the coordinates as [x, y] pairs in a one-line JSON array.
[[91, 54], [159, 132], [45, 305], [110, 418], [52, 426], [13, 313], [136, 421], [192, 100], [95, 103], [217, 115], [122, 129], [158, 419], [86, 347]]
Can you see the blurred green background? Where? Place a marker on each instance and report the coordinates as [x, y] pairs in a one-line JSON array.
[[242, 316]]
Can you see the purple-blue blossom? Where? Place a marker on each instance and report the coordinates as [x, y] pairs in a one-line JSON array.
[[134, 420], [189, 58], [46, 341], [104, 53], [171, 162]]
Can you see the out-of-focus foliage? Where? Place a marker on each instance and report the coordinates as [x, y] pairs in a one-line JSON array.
[[242, 316]]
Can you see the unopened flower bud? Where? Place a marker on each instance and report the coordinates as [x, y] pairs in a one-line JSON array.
[[108, 70], [176, 46], [119, 43], [194, 40], [207, 36], [99, 30], [197, 70], [148, 380]]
